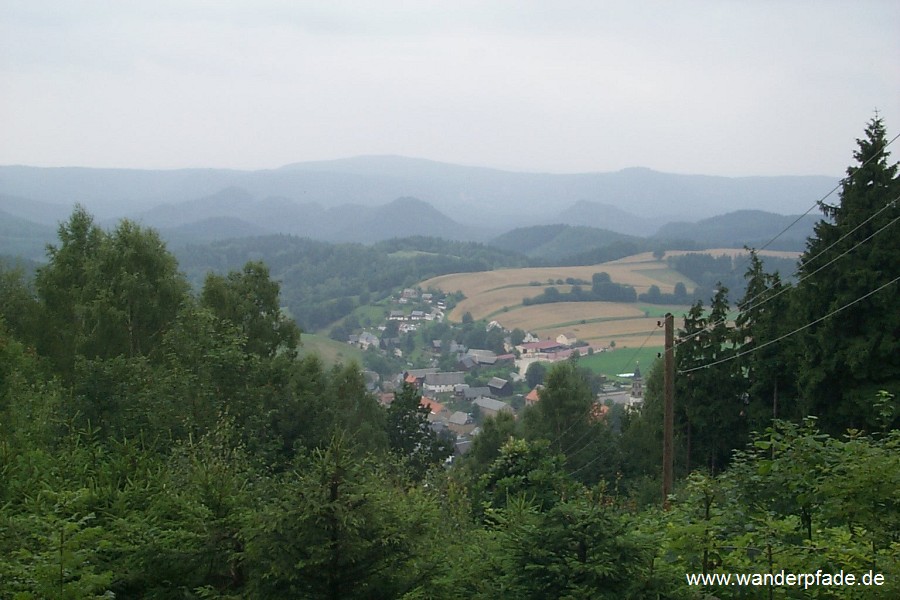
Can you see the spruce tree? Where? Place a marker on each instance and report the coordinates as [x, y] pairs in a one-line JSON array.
[[846, 359], [768, 370]]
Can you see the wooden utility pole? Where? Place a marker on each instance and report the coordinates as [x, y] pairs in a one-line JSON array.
[[669, 410]]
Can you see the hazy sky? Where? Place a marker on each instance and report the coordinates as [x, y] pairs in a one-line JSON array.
[[719, 87]]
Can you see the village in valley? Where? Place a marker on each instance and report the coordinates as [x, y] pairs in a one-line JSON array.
[[461, 386]]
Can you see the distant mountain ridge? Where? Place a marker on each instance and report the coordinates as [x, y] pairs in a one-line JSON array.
[[752, 228], [402, 217], [489, 198]]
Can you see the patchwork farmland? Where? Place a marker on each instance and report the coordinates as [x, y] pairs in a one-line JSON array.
[[497, 296]]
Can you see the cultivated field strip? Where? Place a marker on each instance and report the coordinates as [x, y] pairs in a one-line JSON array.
[[497, 296], [567, 315]]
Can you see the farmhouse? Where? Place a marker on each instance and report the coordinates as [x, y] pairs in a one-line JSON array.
[[473, 393], [436, 410], [534, 395], [367, 340], [482, 357], [491, 408], [443, 382], [535, 349], [461, 423], [416, 377], [499, 387], [566, 339]]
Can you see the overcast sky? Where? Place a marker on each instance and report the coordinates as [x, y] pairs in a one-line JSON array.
[[717, 87]]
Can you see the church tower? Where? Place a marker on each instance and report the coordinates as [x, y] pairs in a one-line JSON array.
[[637, 384]]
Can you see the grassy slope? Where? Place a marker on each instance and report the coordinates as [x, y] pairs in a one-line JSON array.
[[621, 360], [330, 351]]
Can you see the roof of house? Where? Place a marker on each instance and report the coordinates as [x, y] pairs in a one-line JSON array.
[[599, 412], [483, 356], [458, 418], [496, 382], [467, 362], [534, 395], [452, 378], [539, 346], [434, 407], [476, 392], [421, 372], [491, 404], [462, 446]]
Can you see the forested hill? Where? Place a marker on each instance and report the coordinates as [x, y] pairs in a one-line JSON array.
[[752, 228], [322, 282], [553, 243]]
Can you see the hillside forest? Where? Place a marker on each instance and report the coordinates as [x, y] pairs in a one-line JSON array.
[[163, 440]]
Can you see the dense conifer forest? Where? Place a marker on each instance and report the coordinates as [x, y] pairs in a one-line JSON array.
[[163, 442]]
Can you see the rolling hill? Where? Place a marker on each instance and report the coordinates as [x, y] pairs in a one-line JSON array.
[[554, 242], [744, 227], [633, 201]]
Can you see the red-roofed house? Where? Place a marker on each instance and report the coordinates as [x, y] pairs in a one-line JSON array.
[[436, 408], [533, 396], [599, 412]]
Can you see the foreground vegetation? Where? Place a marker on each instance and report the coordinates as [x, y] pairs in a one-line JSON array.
[[156, 443]]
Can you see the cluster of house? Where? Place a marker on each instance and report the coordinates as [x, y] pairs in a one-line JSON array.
[[407, 321], [431, 382], [487, 400]]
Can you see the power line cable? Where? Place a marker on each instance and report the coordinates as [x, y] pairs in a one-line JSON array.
[[586, 465], [852, 231], [819, 202], [641, 347], [808, 275], [787, 335], [588, 432]]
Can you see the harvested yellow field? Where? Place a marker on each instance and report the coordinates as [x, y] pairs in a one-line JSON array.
[[566, 316], [490, 291], [497, 296], [600, 333], [606, 330]]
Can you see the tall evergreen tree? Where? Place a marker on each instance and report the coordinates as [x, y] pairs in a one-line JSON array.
[[410, 435], [846, 359], [708, 395], [768, 371]]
